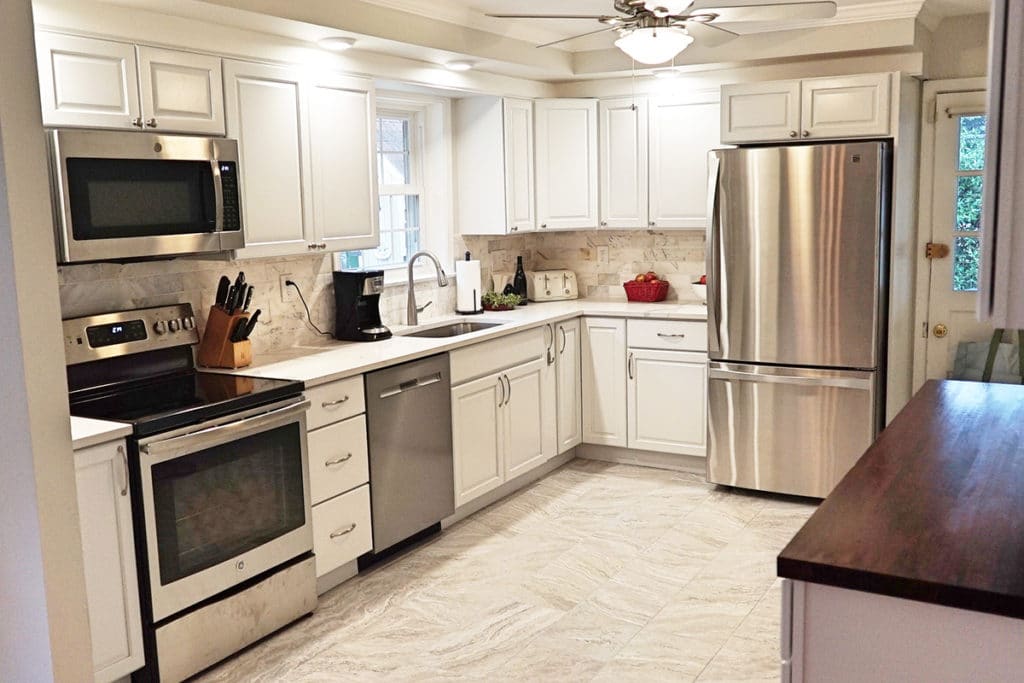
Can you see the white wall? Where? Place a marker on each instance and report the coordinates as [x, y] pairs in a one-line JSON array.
[[44, 628], [958, 48]]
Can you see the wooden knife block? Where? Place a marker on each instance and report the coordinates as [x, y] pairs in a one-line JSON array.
[[216, 350]]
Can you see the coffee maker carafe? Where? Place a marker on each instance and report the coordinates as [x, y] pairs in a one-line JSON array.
[[357, 305]]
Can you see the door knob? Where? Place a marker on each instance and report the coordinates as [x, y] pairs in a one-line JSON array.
[[940, 330]]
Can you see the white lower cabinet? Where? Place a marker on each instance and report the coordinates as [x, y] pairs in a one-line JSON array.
[[498, 428], [108, 555], [341, 529], [604, 382], [569, 385], [666, 401]]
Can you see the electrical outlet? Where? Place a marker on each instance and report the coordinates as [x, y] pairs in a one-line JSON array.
[[288, 294], [602, 254]]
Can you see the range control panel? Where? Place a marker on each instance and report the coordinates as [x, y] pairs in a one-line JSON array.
[[127, 332]]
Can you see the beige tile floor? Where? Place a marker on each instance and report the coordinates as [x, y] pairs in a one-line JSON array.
[[597, 572]]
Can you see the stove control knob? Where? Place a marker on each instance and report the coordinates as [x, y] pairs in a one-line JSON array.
[[188, 323], [174, 325], [160, 327]]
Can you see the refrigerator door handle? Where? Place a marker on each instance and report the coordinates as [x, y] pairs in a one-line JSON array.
[[714, 301], [838, 382]]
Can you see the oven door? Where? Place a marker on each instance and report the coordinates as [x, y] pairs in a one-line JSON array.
[[139, 195], [223, 502]]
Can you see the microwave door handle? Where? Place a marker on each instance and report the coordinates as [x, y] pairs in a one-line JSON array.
[[218, 197], [205, 438]]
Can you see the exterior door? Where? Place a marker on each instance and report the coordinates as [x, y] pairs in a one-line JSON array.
[[958, 175]]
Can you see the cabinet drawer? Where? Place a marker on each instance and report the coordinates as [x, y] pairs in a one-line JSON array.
[[347, 519], [336, 401], [337, 458], [487, 358], [679, 335]]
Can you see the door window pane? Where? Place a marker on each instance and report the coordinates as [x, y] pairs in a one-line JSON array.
[[966, 259], [968, 203], [972, 143]]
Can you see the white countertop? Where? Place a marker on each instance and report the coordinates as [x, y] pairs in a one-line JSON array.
[[336, 360], [86, 431]]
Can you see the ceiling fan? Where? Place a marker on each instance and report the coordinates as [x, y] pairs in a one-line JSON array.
[[655, 31]]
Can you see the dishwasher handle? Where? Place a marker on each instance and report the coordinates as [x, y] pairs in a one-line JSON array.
[[411, 384]]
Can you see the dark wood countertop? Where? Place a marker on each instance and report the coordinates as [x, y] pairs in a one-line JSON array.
[[934, 510]]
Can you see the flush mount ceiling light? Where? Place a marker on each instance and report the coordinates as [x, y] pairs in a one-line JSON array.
[[336, 43], [459, 65], [654, 45]]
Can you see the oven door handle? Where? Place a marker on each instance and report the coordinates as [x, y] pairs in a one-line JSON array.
[[211, 436]]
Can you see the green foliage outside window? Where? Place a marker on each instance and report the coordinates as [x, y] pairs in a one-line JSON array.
[[967, 249]]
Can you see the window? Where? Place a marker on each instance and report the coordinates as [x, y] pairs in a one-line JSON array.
[[969, 174], [413, 186]]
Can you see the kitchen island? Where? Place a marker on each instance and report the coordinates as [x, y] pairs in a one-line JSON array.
[[913, 568]]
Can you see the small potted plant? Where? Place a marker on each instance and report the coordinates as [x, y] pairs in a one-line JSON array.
[[495, 301]]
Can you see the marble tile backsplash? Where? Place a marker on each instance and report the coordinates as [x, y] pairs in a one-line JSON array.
[[101, 287]]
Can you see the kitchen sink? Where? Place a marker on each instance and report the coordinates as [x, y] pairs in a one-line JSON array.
[[452, 329]]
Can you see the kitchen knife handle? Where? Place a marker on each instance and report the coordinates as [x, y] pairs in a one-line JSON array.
[[248, 298]]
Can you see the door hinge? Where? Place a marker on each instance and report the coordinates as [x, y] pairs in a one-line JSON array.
[[936, 250]]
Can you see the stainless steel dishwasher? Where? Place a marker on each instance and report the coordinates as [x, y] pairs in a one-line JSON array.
[[409, 422]]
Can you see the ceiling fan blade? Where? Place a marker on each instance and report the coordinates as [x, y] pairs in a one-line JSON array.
[[598, 17], [709, 35], [766, 11], [588, 33]]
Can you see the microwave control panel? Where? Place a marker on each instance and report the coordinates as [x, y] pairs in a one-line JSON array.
[[229, 191]]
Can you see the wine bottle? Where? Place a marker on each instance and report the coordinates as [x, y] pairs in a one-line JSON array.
[[519, 281]]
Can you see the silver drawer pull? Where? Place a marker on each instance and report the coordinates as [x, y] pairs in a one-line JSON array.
[[338, 461], [329, 404], [343, 532], [671, 336]]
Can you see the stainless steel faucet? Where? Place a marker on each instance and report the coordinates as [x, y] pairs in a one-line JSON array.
[[412, 312]]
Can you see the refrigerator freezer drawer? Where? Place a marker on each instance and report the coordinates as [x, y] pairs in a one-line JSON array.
[[788, 430]]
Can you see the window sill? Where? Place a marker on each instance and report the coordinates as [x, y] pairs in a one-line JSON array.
[[400, 279]]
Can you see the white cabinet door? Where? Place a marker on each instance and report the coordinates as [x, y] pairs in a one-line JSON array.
[[87, 82], [566, 164], [760, 112], [845, 106], [108, 554], [683, 131], [667, 401], [570, 395], [342, 125], [604, 382], [623, 162], [182, 92], [265, 113], [519, 184], [524, 419], [477, 437]]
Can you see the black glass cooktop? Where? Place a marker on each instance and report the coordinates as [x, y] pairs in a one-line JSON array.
[[172, 401]]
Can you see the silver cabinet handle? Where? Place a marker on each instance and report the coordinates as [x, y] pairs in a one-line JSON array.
[[604, 224], [793, 133], [508, 384], [151, 123], [344, 532], [501, 401], [543, 225], [664, 335], [515, 228], [331, 404], [807, 133], [338, 461], [651, 224], [629, 366], [124, 461], [562, 330], [137, 122]]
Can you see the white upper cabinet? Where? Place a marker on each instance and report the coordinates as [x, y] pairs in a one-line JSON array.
[[623, 162], [567, 153], [494, 165], [683, 131], [754, 112], [342, 128], [839, 107], [181, 92], [94, 83], [265, 114], [87, 82], [846, 106]]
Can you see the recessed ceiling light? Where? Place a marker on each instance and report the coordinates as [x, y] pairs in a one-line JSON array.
[[459, 65], [336, 43]]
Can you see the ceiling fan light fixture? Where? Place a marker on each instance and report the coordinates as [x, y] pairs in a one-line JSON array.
[[667, 7], [459, 65], [654, 45], [336, 43]]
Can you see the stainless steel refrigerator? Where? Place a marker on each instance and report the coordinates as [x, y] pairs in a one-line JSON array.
[[797, 288]]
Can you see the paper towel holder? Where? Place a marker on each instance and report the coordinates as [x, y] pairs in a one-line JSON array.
[[476, 297]]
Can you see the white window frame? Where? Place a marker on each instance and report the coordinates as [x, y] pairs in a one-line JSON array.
[[430, 169]]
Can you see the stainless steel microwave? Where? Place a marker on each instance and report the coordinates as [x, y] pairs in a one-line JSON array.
[[127, 195]]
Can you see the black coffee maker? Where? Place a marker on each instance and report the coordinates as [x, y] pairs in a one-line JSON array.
[[357, 305]]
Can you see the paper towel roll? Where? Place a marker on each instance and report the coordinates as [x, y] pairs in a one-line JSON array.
[[467, 279]]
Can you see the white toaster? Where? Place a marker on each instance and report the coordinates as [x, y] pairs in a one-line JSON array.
[[551, 285]]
